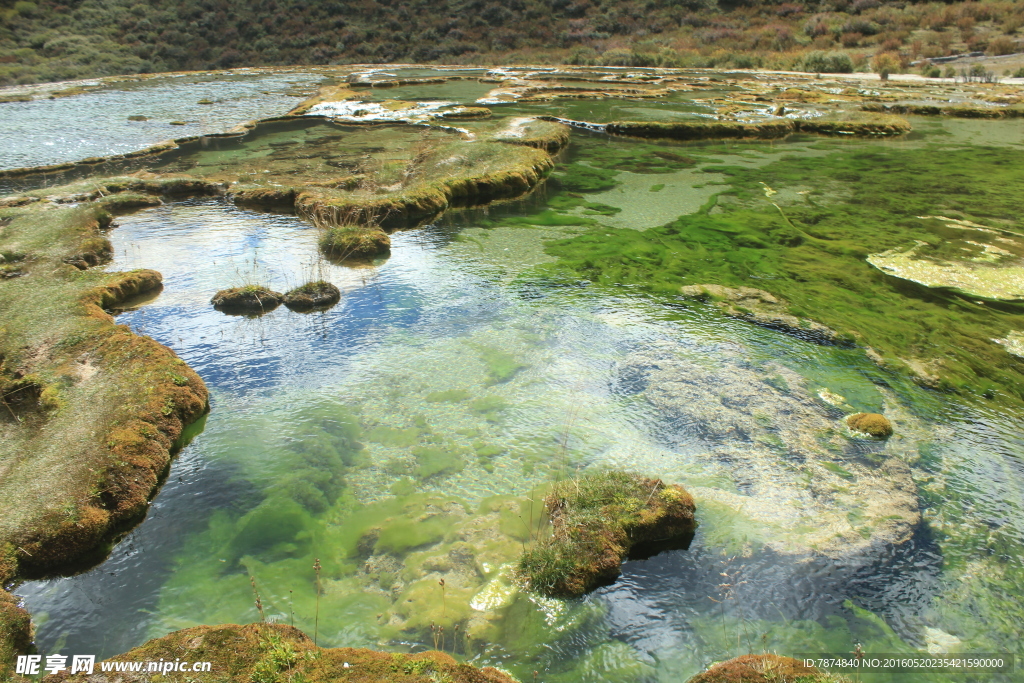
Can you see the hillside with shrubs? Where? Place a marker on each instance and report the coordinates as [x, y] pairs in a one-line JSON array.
[[49, 40]]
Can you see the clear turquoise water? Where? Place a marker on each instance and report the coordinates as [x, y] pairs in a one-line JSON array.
[[454, 353]]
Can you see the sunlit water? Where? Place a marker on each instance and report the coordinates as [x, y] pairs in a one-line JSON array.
[[95, 124], [467, 376]]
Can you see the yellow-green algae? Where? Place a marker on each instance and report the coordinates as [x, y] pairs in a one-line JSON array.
[[811, 251]]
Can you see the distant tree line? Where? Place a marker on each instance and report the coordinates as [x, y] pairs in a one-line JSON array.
[[47, 40]]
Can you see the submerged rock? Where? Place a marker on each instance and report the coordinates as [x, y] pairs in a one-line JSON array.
[[599, 520], [762, 308], [938, 642], [247, 299], [772, 466], [872, 424], [766, 668], [312, 295], [975, 259], [275, 652], [1013, 343]]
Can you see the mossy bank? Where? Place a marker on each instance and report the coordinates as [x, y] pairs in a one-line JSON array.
[[272, 653], [98, 408]]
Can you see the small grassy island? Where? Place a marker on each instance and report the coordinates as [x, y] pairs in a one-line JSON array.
[[253, 299], [312, 295], [354, 242], [599, 520]]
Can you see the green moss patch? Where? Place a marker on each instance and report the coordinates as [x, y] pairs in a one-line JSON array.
[[811, 251], [701, 129], [433, 460], [596, 522], [832, 124]]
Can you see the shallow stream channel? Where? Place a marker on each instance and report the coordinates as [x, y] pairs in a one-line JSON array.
[[405, 439]]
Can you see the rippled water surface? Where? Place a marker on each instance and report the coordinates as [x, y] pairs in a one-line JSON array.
[[52, 131], [399, 436]]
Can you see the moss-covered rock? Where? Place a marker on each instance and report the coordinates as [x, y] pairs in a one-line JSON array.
[[354, 241], [247, 299], [15, 633], [847, 124], [265, 653], [764, 668], [872, 424], [596, 522], [702, 130], [265, 196], [764, 130], [137, 444], [312, 295]]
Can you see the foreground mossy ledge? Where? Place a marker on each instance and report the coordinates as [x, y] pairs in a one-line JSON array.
[[764, 668], [599, 520], [267, 653]]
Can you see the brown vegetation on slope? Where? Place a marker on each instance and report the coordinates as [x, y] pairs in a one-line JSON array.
[[44, 40]]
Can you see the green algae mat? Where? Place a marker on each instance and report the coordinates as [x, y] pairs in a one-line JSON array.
[[559, 301]]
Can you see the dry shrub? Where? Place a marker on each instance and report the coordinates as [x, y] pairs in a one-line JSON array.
[[885, 63], [1003, 45], [851, 39]]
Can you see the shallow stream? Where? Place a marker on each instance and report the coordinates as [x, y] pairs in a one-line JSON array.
[[399, 437]]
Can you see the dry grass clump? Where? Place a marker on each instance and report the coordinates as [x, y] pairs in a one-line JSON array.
[[596, 522]]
